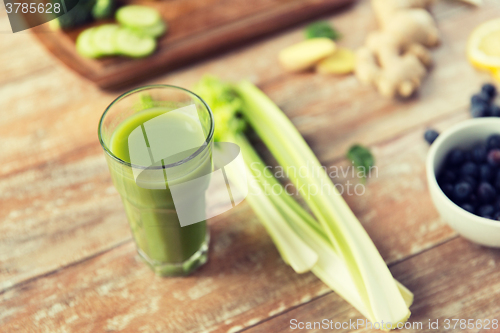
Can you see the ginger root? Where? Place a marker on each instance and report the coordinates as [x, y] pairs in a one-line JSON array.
[[306, 54], [341, 62], [396, 57]]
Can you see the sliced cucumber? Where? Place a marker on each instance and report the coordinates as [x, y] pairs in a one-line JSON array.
[[153, 31], [130, 43], [103, 39], [85, 46], [136, 16], [103, 9]]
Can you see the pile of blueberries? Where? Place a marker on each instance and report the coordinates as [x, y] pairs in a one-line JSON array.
[[471, 178], [481, 104]]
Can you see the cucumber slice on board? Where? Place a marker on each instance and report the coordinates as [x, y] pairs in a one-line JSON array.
[[132, 44], [103, 39], [85, 46], [153, 31], [103, 9], [136, 16]]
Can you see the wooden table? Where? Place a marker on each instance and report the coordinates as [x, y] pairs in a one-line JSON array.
[[67, 260]]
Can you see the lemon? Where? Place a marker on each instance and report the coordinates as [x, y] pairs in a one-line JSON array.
[[483, 46], [496, 75]]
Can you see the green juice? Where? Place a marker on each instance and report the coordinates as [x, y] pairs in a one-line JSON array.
[[169, 248]]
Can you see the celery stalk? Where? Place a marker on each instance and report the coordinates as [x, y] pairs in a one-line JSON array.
[[294, 251], [337, 250], [350, 241], [297, 253], [330, 268]]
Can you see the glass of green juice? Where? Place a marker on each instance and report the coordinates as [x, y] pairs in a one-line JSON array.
[[156, 139]]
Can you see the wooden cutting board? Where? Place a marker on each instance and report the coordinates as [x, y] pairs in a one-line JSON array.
[[198, 28]]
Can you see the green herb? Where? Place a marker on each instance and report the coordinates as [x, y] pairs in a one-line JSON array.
[[321, 29], [332, 244], [361, 158]]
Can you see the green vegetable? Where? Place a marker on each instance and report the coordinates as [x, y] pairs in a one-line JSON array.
[[143, 20], [361, 158], [229, 127], [77, 16], [347, 260], [85, 45], [110, 39], [103, 9], [136, 38], [329, 268], [155, 30], [132, 44], [138, 17], [222, 99], [103, 39], [321, 29]]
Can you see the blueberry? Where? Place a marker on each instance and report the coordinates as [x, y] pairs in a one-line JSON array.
[[494, 157], [493, 141], [485, 192], [496, 216], [495, 110], [485, 172], [461, 191], [430, 135], [447, 176], [467, 156], [447, 190], [470, 180], [480, 98], [473, 200], [489, 90], [469, 169], [479, 153], [456, 157], [497, 204], [496, 181], [486, 211], [480, 110], [468, 207]]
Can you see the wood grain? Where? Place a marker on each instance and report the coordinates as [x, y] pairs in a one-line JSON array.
[[49, 134], [16, 49], [67, 262], [454, 280], [398, 229], [198, 28]]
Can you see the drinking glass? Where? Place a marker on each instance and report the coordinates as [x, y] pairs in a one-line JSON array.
[[156, 139]]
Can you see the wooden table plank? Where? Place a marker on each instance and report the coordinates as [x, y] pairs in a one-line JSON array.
[[17, 51], [37, 141], [213, 26], [244, 273], [316, 104], [248, 282], [50, 213], [66, 258], [454, 280], [334, 112]]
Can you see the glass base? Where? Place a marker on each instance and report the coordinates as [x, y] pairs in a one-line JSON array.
[[197, 260]]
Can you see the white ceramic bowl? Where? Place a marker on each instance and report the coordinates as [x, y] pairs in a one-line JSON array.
[[464, 135]]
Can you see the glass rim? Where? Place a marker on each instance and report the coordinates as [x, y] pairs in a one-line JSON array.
[[108, 151]]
